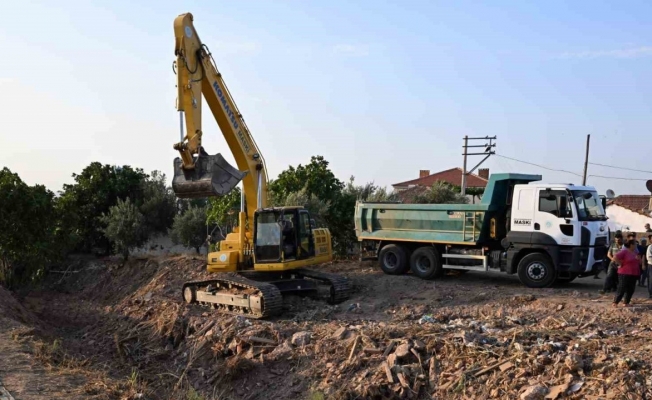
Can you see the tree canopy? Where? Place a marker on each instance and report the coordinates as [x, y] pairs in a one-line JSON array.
[[116, 208], [189, 228], [96, 189], [29, 230], [125, 226]]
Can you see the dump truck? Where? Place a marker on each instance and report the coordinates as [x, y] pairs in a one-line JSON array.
[[544, 233]]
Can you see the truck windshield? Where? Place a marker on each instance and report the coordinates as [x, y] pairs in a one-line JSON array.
[[589, 206]]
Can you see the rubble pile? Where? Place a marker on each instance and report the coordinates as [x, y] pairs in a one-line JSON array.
[[537, 350], [488, 352], [501, 346]]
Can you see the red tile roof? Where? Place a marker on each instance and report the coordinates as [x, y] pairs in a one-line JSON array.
[[452, 176], [634, 202]]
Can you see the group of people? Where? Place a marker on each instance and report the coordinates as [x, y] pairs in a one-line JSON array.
[[629, 264]]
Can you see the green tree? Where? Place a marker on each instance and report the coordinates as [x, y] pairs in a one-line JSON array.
[[189, 228], [369, 192], [315, 177], [28, 230], [125, 227], [184, 205], [158, 204], [223, 210], [95, 190], [475, 192], [316, 180], [317, 208], [439, 193]]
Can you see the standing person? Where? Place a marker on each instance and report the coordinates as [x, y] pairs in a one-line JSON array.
[[604, 266], [647, 228], [628, 272], [642, 251], [610, 281], [632, 236], [648, 256]]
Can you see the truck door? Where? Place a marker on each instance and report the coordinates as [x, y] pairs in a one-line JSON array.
[[554, 218], [522, 210]]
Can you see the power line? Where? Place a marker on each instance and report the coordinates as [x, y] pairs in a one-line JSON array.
[[615, 177], [613, 166], [540, 166], [573, 173]]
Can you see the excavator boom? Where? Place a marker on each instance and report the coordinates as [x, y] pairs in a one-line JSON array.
[[196, 173]]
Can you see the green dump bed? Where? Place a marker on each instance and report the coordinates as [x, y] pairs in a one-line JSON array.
[[438, 223]]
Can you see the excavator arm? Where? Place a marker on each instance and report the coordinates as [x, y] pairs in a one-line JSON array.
[[197, 174]]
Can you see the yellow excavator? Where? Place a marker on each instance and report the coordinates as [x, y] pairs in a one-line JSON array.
[[266, 255]]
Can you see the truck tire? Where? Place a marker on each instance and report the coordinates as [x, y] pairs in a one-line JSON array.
[[426, 263], [393, 259], [536, 271]]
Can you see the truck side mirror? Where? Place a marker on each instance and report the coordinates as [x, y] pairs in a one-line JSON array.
[[604, 202]]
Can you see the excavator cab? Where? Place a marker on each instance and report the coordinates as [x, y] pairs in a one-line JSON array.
[[283, 234], [211, 176]]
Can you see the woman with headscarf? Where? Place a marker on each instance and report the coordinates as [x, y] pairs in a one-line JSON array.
[[628, 272]]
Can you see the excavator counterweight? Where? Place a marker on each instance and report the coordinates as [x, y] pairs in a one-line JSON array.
[[212, 176]]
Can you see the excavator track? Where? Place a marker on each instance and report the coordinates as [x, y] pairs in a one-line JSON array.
[[235, 295], [340, 287]]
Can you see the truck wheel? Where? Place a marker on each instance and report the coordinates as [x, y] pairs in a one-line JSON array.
[[393, 260], [536, 271], [425, 263]]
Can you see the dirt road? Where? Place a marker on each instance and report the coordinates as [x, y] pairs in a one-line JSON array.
[[22, 374]]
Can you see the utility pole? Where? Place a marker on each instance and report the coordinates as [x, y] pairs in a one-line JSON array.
[[488, 146], [466, 146], [586, 159]]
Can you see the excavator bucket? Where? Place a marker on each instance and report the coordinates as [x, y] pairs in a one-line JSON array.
[[212, 176]]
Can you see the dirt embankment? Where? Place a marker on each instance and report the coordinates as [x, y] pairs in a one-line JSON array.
[[124, 332]]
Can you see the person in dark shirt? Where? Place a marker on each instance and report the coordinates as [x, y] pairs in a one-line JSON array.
[[611, 280]]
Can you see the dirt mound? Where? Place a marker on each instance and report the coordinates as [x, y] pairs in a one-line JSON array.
[[13, 312], [397, 337]]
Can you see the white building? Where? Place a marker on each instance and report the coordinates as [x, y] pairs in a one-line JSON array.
[[629, 213]]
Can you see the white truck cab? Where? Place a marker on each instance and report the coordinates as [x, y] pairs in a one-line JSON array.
[[565, 221]]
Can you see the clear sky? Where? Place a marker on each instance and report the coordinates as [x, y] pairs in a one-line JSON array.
[[380, 89]]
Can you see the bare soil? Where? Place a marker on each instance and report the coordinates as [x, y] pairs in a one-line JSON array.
[[105, 330]]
